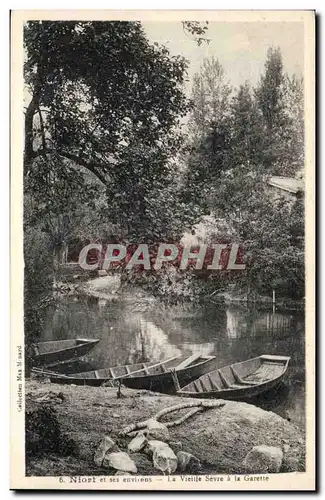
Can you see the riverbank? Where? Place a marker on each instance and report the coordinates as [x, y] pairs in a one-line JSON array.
[[108, 286], [103, 287], [219, 437]]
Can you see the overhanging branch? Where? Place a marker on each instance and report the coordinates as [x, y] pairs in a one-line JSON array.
[[93, 167], [42, 127]]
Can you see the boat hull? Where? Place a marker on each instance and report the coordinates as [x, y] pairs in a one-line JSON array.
[[241, 381], [157, 382], [164, 383], [81, 348], [236, 394]]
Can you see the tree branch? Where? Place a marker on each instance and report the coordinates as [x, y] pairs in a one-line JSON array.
[[42, 127], [91, 166], [29, 119], [29, 138]]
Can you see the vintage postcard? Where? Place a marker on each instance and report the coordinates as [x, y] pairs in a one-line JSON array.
[[162, 250]]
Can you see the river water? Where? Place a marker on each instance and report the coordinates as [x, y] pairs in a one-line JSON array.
[[134, 331]]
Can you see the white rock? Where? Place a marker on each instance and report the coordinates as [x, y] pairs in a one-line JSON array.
[[137, 443], [165, 460], [102, 272], [157, 430], [264, 459], [187, 462], [122, 473], [119, 461], [105, 445], [153, 445]]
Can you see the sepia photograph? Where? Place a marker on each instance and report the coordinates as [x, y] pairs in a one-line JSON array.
[[162, 218]]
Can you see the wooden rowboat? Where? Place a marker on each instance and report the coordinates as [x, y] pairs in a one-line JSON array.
[[240, 381], [58, 351], [151, 376]]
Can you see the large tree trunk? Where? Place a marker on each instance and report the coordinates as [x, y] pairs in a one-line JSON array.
[[32, 108]]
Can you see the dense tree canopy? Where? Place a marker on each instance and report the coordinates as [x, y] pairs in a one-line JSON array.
[[96, 88], [238, 140], [102, 132], [108, 153]]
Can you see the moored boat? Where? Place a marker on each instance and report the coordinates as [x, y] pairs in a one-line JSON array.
[[58, 351], [239, 381], [151, 375]]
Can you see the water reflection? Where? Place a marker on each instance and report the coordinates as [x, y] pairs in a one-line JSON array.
[[231, 333], [157, 341]]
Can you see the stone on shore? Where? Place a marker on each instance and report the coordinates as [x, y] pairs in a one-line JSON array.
[[264, 459], [157, 430], [105, 445], [164, 459], [188, 462], [153, 445], [119, 461], [137, 443]]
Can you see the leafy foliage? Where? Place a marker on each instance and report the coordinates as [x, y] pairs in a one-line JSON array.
[[197, 30], [269, 93], [122, 91], [102, 130], [264, 131], [210, 93], [106, 156], [116, 115], [37, 285]]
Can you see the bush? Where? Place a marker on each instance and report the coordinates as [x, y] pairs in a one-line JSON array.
[[43, 434]]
